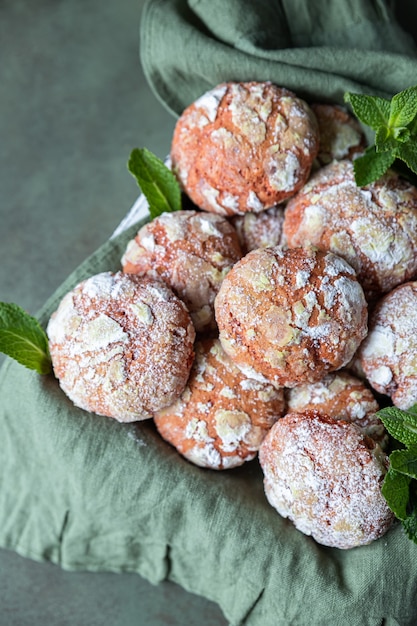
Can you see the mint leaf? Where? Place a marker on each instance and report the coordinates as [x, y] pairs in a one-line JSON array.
[[413, 128], [403, 109], [405, 461], [395, 126], [405, 172], [371, 110], [410, 525], [401, 134], [156, 181], [384, 141], [396, 491], [391, 138], [410, 522], [412, 410], [381, 135], [400, 487], [23, 338], [402, 425], [408, 153], [371, 165]]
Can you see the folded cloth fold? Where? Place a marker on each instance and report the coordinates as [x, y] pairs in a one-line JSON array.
[[317, 49], [89, 493]]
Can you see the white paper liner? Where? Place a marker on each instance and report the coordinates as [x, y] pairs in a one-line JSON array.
[[139, 210]]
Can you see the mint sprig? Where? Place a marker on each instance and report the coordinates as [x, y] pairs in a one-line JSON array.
[[400, 484], [23, 338], [395, 125], [156, 181]]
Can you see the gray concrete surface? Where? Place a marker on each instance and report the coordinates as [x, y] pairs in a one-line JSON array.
[[73, 104]]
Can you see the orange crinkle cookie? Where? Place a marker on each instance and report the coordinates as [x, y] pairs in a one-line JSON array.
[[192, 252], [341, 136], [374, 228], [244, 147], [388, 355], [340, 395], [259, 230], [121, 345], [290, 316], [222, 416], [325, 475]]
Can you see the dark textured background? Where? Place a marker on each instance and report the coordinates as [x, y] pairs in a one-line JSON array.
[[73, 104]]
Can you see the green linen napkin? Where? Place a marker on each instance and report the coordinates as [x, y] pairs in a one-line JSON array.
[[88, 493], [319, 49]]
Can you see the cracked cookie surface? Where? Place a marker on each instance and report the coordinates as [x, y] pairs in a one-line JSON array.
[[374, 228], [325, 475], [222, 416], [290, 316], [192, 251], [121, 345], [244, 147]]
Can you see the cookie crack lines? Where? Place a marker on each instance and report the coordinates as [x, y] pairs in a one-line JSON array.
[[210, 155], [281, 315], [240, 324]]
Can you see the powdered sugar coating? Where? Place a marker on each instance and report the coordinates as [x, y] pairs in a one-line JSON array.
[[290, 316], [222, 416], [374, 228], [192, 252], [121, 346], [259, 230], [325, 476], [389, 354], [340, 395], [341, 136], [244, 147]]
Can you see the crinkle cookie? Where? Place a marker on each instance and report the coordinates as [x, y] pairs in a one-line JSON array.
[[340, 395], [222, 416], [259, 230], [389, 353], [341, 136], [291, 316], [244, 147], [374, 228], [354, 366], [121, 345], [325, 475], [192, 252]]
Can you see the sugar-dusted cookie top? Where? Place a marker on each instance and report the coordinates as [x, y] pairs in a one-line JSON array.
[[374, 228], [340, 395], [222, 416], [244, 147], [121, 345], [259, 230], [290, 316], [341, 136], [191, 251], [388, 355], [325, 475]]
